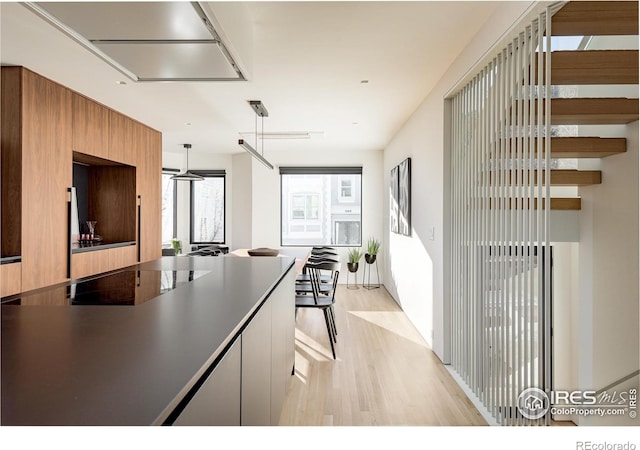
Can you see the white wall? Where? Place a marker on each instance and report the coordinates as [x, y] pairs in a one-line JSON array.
[[607, 340], [198, 160], [266, 195], [608, 270], [416, 265], [565, 297]]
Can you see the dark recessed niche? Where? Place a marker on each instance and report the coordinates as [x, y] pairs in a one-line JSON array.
[[81, 183], [106, 193], [11, 163]]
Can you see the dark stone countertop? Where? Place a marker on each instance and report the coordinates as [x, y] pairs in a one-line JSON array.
[[127, 365], [91, 247]]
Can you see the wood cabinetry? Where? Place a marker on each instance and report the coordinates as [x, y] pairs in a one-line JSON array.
[[46, 176], [98, 261], [123, 147], [90, 127], [10, 279], [45, 127], [11, 161], [149, 188]]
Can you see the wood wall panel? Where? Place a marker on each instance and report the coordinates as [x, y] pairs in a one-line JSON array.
[[10, 279], [122, 257], [11, 160], [46, 171], [122, 139], [90, 127], [112, 202], [149, 181], [89, 263], [98, 261]]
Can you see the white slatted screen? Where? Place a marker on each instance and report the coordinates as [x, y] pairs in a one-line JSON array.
[[500, 252]]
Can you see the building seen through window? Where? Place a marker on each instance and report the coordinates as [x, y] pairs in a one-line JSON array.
[[321, 206], [168, 208], [208, 209]]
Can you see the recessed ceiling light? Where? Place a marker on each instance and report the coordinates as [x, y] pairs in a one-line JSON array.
[[187, 123], [121, 82], [364, 81], [354, 123]]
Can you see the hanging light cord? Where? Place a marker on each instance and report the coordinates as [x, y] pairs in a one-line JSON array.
[[187, 147], [262, 133]]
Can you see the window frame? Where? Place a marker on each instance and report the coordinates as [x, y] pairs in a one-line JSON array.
[[350, 198], [307, 196], [167, 171], [323, 170], [208, 174]]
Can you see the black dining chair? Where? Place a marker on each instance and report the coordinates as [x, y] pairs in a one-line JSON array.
[[316, 259], [322, 299], [325, 251], [325, 278]]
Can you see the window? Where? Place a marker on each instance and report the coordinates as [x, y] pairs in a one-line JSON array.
[[346, 231], [305, 206], [321, 206], [346, 189], [208, 208], [169, 216]]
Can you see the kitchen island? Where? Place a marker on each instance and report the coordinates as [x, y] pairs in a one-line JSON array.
[[153, 361]]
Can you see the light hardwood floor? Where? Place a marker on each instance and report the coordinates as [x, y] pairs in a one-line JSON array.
[[384, 374]]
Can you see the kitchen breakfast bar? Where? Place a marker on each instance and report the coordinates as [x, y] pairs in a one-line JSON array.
[[175, 341]]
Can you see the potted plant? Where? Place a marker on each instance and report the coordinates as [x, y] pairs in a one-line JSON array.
[[176, 244], [354, 256], [372, 250]]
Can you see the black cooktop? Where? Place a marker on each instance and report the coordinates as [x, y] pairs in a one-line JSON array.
[[127, 287]]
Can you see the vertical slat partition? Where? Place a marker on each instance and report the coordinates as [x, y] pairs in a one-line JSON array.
[[500, 252], [547, 214], [540, 213]]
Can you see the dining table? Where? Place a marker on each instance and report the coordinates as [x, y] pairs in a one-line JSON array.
[[301, 255]]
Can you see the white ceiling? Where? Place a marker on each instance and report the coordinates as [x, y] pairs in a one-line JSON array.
[[306, 60]]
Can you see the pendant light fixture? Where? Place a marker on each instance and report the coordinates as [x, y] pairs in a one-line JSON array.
[[261, 112], [187, 175]]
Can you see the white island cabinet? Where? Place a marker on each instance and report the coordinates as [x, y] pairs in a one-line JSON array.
[[247, 386], [216, 402]]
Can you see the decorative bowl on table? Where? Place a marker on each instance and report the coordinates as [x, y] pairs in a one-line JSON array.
[[263, 252]]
